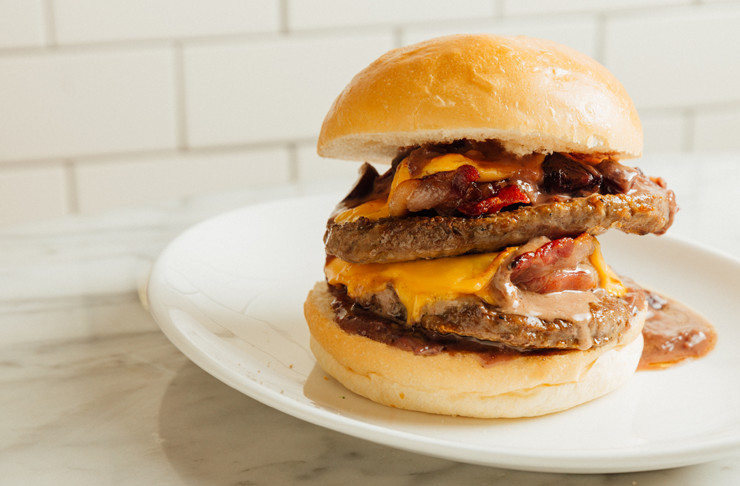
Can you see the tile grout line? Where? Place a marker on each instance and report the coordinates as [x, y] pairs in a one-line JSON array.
[[293, 174], [181, 118], [600, 38], [146, 153], [70, 180], [397, 36], [203, 40], [50, 23], [689, 128], [283, 23], [499, 10]]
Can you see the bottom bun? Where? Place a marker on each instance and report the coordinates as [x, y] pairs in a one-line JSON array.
[[460, 383]]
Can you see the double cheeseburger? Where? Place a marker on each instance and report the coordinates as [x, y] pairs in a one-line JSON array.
[[467, 278]]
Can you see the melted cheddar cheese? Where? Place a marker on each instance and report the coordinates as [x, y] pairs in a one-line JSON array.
[[489, 171], [608, 280], [377, 208], [373, 210], [420, 282]]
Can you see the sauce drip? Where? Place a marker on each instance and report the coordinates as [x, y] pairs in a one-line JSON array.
[[673, 333]]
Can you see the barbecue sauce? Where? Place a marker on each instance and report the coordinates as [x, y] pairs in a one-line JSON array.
[[673, 333]]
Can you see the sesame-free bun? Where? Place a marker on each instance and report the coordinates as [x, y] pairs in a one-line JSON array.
[[459, 384], [530, 94]]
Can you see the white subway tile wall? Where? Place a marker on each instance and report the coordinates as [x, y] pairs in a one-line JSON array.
[[277, 89], [577, 31], [33, 192], [717, 129], [688, 56], [319, 14], [107, 104], [78, 102], [78, 21], [149, 179], [535, 7], [314, 169], [22, 23], [665, 130]]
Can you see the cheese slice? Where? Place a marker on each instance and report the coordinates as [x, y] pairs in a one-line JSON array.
[[489, 171], [608, 279], [373, 210], [377, 208], [420, 282]]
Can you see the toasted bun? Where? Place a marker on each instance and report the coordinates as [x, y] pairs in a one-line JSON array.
[[530, 94], [459, 384]]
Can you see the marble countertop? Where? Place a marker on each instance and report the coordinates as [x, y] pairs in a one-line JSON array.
[[91, 392]]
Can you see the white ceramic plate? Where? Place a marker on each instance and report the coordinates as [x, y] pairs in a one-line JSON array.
[[229, 294]]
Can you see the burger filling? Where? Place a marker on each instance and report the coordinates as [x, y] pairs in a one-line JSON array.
[[472, 179], [473, 197], [544, 295]]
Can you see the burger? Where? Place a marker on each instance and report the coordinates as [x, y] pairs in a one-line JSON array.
[[467, 279]]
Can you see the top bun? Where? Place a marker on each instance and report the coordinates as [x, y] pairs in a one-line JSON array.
[[532, 95]]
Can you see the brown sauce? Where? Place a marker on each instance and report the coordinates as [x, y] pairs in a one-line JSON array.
[[673, 333]]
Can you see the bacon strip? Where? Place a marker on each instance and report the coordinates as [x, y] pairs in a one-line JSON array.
[[442, 191], [553, 267], [506, 196]]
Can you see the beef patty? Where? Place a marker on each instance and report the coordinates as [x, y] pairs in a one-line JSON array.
[[470, 319], [415, 237]]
